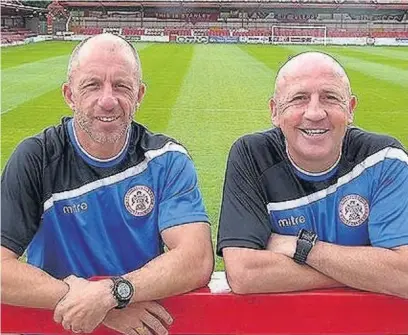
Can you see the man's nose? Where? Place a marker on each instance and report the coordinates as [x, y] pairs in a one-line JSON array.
[[107, 100], [315, 110]]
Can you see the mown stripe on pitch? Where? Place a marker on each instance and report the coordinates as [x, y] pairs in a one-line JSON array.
[[30, 53], [30, 118], [364, 54], [28, 81], [139, 46], [379, 71], [164, 68], [273, 56], [395, 53]]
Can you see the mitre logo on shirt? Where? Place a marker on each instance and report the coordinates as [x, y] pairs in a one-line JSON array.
[[292, 221], [139, 200], [353, 210], [75, 208]]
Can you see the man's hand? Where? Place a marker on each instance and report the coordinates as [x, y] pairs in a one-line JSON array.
[[85, 305], [145, 318], [282, 244]]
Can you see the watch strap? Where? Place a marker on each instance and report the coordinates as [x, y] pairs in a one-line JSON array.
[[305, 242]]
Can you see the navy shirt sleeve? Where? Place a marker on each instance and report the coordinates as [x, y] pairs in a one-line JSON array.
[[21, 207], [180, 201], [244, 218], [388, 221]]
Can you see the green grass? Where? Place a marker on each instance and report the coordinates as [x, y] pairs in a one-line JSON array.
[[206, 96]]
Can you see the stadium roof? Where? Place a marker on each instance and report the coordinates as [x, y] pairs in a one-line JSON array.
[[372, 4], [9, 7]]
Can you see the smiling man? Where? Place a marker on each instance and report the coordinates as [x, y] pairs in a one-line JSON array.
[[100, 195], [315, 202]]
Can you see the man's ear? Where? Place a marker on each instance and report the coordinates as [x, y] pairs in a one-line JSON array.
[[351, 108], [67, 93], [141, 93], [274, 112]]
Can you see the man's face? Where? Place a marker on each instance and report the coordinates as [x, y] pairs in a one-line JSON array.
[[104, 92], [313, 107]]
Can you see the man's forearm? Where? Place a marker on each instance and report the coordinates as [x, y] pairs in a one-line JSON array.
[[259, 271], [174, 272], [367, 268], [25, 285]]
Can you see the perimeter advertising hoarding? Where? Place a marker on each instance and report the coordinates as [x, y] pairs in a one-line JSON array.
[[224, 39], [192, 39]]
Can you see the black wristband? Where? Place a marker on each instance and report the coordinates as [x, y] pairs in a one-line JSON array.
[[305, 242]]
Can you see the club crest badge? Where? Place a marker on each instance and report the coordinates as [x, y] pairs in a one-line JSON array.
[[353, 210], [139, 200]]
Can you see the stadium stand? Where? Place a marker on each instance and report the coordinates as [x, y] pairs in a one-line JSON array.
[[342, 18], [10, 35], [19, 21], [210, 18]]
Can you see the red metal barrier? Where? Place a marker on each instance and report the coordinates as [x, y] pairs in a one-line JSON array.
[[315, 312]]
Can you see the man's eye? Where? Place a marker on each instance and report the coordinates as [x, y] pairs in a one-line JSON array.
[[90, 85], [299, 98], [122, 86], [331, 97]]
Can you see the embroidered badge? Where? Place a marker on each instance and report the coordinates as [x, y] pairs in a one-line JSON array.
[[139, 200], [353, 210]]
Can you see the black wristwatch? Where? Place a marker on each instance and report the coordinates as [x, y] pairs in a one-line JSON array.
[[122, 291], [305, 242]]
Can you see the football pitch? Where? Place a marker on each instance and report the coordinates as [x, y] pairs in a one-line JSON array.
[[205, 96]]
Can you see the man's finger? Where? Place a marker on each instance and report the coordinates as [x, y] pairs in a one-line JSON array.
[[87, 326], [143, 330], [131, 331], [154, 324], [76, 330], [160, 312], [66, 324], [88, 329], [69, 279], [58, 313]]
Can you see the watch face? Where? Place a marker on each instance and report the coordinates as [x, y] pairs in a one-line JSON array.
[[124, 290], [308, 236]]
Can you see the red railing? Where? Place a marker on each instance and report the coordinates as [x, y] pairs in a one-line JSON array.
[[342, 311]]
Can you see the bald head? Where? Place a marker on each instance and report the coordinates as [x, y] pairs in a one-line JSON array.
[[310, 62], [313, 106], [104, 43]]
